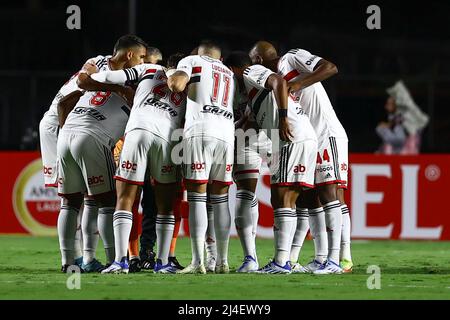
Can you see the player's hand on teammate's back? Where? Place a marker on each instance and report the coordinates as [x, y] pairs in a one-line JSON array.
[[89, 68], [285, 131]]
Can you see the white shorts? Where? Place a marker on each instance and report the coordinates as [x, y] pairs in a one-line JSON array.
[[294, 164], [207, 159], [84, 164], [250, 156], [48, 136], [332, 162], [145, 154]]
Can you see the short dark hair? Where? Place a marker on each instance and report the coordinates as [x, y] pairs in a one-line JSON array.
[[129, 41], [173, 60], [209, 44], [239, 59], [153, 51]]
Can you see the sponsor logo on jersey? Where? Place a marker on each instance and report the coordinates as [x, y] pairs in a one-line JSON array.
[[48, 171], [299, 168], [198, 166], [36, 207], [161, 105], [261, 77], [229, 167], [310, 60], [324, 169], [95, 180], [218, 111], [90, 112], [328, 176], [127, 165]]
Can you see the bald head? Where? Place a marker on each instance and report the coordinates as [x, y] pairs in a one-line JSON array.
[[263, 52]]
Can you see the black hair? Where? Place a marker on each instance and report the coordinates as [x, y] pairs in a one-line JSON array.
[[129, 41], [239, 59], [173, 60], [209, 44]]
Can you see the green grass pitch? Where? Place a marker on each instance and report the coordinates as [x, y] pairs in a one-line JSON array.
[[29, 269]]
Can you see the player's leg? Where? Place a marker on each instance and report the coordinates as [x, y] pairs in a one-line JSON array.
[[70, 188], [210, 238], [89, 227], [346, 262], [196, 173], [221, 177], [327, 191], [345, 253], [180, 209], [244, 220], [292, 169], [222, 224], [130, 175], [318, 229], [133, 242], [301, 231], [163, 170], [148, 235], [198, 223]]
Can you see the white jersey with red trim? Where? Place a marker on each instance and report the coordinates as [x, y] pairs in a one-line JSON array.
[[297, 64], [155, 107], [104, 115], [209, 110], [51, 116], [265, 109]]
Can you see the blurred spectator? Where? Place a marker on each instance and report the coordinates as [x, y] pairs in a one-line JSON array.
[[30, 140], [401, 133]]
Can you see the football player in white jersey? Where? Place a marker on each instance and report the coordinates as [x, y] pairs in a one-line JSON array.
[[251, 149], [48, 136], [147, 148], [304, 71], [208, 146], [292, 163], [85, 153]]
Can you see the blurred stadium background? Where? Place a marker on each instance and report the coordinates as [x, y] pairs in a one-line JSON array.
[[38, 54]]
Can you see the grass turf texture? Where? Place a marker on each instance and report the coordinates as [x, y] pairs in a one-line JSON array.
[[29, 269]]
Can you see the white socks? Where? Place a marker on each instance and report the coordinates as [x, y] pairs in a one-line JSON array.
[[245, 222], [346, 231], [283, 229], [333, 219], [67, 227], [105, 228], [319, 233], [165, 225], [210, 240], [90, 230], [198, 223], [300, 233], [122, 222], [222, 224], [78, 245]]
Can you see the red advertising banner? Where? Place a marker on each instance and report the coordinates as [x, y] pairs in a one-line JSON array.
[[390, 197]]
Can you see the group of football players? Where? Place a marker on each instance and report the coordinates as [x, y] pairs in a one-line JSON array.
[[197, 124]]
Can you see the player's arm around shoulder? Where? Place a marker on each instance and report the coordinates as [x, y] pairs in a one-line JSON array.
[[178, 81], [317, 69]]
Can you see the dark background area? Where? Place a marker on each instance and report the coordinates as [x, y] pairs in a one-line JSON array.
[[38, 53]]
